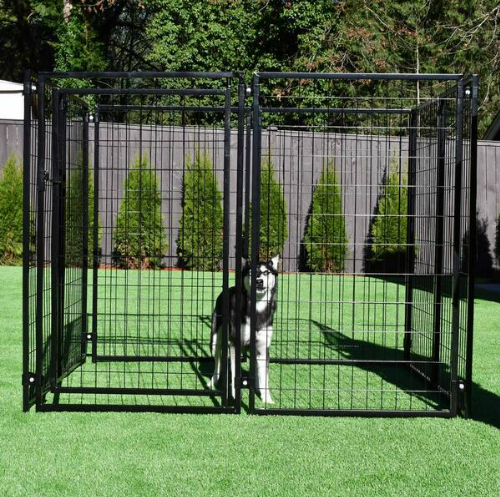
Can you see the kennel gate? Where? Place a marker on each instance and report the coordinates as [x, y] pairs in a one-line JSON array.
[[364, 335]]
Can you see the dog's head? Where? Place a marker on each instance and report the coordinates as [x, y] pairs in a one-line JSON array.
[[267, 273]]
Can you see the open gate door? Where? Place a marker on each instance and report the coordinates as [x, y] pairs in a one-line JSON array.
[[70, 240]]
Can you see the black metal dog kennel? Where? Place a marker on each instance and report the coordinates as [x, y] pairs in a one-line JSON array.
[[144, 191]]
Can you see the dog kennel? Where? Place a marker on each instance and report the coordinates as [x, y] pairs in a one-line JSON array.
[[143, 192]]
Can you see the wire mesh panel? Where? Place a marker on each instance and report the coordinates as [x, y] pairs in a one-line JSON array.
[[355, 178]]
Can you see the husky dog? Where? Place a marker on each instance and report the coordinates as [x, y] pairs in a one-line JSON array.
[[266, 278]]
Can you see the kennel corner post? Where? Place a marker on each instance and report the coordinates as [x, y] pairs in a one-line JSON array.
[[255, 238], [410, 235], [95, 248], [439, 240], [472, 244], [27, 374], [85, 227], [457, 242]]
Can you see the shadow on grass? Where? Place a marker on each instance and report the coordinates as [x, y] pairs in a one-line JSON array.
[[485, 404]]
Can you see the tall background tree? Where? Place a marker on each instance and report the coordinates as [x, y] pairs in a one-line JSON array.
[[325, 237], [459, 36]]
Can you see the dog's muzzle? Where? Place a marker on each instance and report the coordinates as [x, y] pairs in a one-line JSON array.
[[259, 284]]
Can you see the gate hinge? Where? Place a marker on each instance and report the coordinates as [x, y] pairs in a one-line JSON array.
[[28, 379]]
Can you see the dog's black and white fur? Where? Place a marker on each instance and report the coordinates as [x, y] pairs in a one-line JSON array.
[[266, 279]]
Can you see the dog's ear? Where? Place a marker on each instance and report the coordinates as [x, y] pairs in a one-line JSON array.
[[275, 261]]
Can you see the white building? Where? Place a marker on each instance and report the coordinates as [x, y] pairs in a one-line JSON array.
[[11, 100]]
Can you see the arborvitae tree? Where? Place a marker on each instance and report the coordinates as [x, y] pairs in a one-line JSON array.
[[199, 244], [140, 237], [388, 234], [11, 212], [74, 218], [326, 236], [273, 216]]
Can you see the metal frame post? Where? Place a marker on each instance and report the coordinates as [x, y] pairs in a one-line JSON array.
[[410, 235], [27, 385], [85, 228], [457, 242], [256, 166], [95, 248], [239, 243], [225, 245], [472, 246], [439, 239]]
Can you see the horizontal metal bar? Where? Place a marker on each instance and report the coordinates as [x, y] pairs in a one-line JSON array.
[[139, 391], [108, 107], [147, 358], [134, 408], [139, 74], [356, 76], [141, 91], [332, 110], [366, 362], [353, 412]]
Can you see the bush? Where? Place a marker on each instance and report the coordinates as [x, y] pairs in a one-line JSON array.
[[74, 218], [140, 238], [273, 216], [199, 245], [388, 233], [325, 236], [11, 212]]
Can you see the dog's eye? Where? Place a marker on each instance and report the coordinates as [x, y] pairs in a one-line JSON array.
[[265, 273]]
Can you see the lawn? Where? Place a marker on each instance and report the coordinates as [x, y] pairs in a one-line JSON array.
[[144, 454]]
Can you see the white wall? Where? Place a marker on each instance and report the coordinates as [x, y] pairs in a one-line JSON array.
[[11, 104]]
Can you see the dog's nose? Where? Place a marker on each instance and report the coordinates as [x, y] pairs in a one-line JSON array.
[[260, 282]]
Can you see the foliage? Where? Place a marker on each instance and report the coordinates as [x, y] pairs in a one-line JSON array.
[[294, 35], [11, 212], [74, 218], [326, 236], [388, 231], [199, 244], [273, 213], [140, 238]]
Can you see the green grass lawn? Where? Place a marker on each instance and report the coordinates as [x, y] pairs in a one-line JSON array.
[[157, 454]]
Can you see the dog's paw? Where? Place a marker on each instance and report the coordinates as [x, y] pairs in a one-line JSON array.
[[266, 398]]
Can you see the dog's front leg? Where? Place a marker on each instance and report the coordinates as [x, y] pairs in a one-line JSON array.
[[233, 371], [216, 352], [262, 346]]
